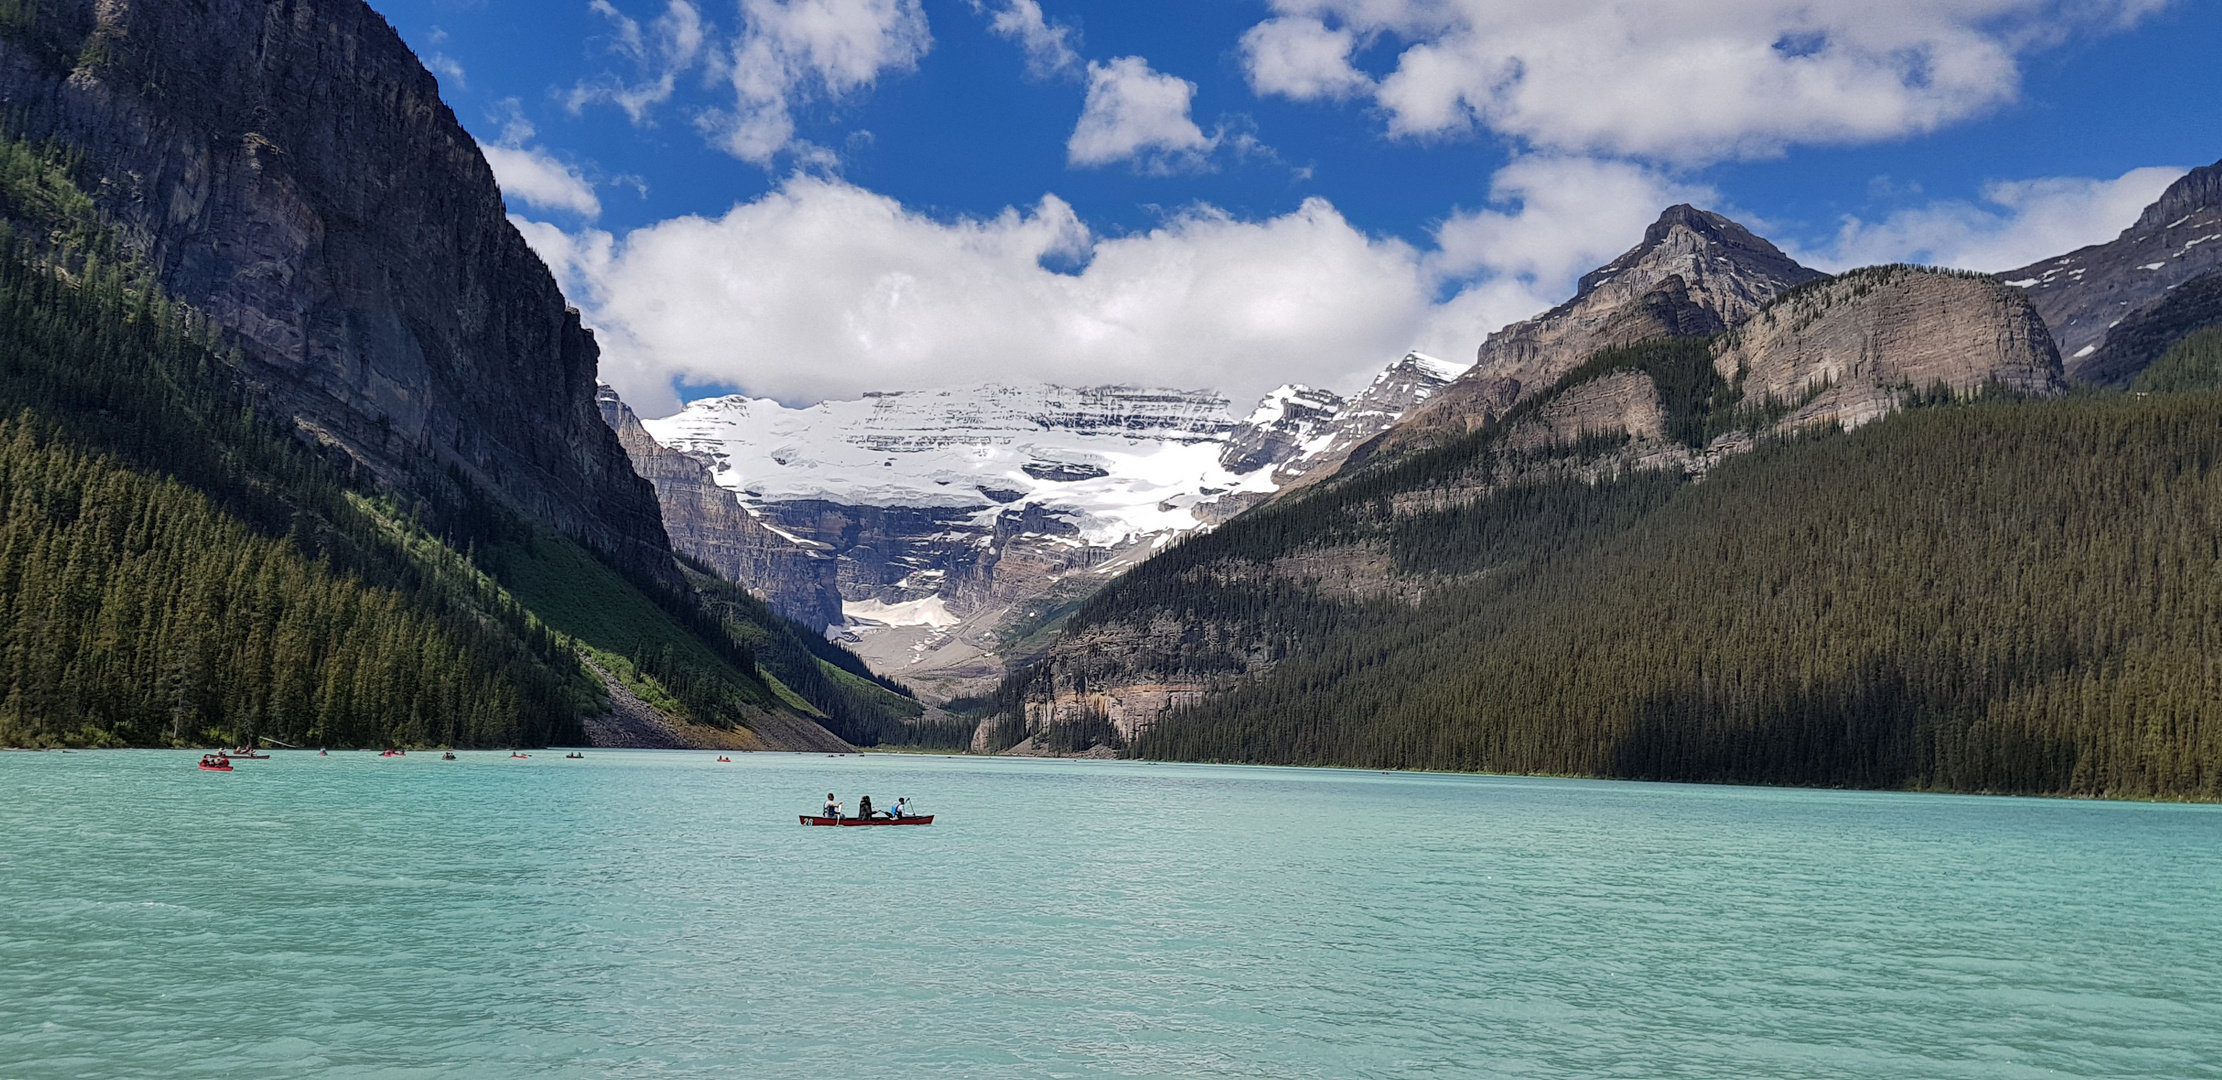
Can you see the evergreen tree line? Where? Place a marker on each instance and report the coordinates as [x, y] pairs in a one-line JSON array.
[[177, 569], [136, 612], [1994, 596], [113, 380]]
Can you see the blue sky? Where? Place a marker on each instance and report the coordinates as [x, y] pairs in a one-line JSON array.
[[840, 195]]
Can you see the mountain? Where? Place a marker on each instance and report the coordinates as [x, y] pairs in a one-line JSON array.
[[1306, 434], [962, 522], [291, 170], [2113, 307], [315, 429], [1694, 274], [795, 576], [1380, 590]]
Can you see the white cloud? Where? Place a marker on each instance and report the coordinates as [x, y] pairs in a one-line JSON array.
[[448, 69], [794, 50], [2018, 222], [533, 176], [823, 289], [1552, 219], [1048, 48], [1301, 58], [663, 51], [1136, 114], [536, 178], [1681, 81], [787, 53]]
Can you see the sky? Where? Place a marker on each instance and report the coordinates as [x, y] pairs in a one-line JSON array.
[[812, 199]]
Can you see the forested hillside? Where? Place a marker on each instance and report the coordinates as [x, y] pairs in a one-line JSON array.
[[2001, 596], [1980, 593], [175, 568]]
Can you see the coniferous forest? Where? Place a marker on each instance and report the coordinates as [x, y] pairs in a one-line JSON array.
[[1995, 596], [176, 569]]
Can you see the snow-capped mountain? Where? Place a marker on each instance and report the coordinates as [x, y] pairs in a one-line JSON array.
[[1117, 461], [962, 518]]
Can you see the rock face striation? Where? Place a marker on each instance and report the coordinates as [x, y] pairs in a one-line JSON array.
[[797, 577], [1849, 350], [962, 521], [2088, 294], [1695, 273], [288, 167]]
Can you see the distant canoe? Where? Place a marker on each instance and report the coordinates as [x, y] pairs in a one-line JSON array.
[[927, 819], [225, 767]]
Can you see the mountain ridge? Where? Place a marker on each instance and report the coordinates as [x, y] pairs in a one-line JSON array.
[[1694, 273], [2083, 295]]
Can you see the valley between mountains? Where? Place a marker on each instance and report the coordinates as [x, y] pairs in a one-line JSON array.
[[300, 442]]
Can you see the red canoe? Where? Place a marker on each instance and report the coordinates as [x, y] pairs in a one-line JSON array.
[[225, 767], [927, 819]]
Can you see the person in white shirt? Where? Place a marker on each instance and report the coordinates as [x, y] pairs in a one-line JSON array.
[[902, 808], [833, 809]]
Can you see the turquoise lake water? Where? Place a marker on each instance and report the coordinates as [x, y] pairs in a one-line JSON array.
[[642, 914]]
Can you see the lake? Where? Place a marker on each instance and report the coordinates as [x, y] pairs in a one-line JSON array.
[[652, 914]]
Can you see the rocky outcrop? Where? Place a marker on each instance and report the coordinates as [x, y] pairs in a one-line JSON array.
[[288, 167], [797, 577], [1394, 394], [1281, 428], [1620, 403], [1850, 349], [2084, 295], [1695, 273]]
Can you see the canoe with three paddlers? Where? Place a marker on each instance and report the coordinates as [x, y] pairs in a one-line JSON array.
[[922, 819]]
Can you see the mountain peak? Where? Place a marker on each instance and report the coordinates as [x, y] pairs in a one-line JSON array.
[[1711, 232], [2196, 190]]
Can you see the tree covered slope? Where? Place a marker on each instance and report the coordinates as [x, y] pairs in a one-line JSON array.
[[2001, 596], [1674, 564], [177, 567]]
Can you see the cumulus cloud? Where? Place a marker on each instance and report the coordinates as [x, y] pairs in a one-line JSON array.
[[824, 289], [1134, 113], [791, 50], [2017, 223], [1048, 48], [1680, 81], [1301, 58]]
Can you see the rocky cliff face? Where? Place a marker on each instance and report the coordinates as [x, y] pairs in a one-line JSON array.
[[796, 576], [1850, 349], [288, 167], [1694, 273], [2085, 294]]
